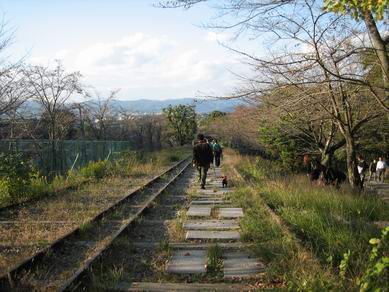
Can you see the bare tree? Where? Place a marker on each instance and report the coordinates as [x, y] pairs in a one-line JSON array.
[[251, 15], [146, 131], [316, 54], [12, 83], [321, 44], [99, 114], [13, 92], [242, 126], [51, 89]]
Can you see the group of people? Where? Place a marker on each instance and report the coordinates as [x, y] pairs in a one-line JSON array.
[[325, 175], [377, 169], [205, 153], [330, 175]]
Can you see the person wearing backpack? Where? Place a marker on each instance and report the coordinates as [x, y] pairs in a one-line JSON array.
[[362, 167], [217, 152], [372, 170], [202, 158]]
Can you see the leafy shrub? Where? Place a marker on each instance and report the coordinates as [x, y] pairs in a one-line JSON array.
[[376, 274], [16, 170], [5, 197], [282, 147], [39, 186], [95, 169], [15, 165], [59, 182], [73, 179]]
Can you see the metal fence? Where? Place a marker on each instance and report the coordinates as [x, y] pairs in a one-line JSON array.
[[57, 157]]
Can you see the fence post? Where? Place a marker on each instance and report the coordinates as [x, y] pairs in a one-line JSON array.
[[75, 161], [109, 155]]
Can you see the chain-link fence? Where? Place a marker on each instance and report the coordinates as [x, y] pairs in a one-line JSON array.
[[57, 157]]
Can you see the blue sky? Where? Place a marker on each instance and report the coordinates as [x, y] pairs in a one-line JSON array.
[[145, 51]]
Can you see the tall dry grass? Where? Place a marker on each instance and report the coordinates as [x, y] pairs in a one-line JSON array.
[[328, 221]]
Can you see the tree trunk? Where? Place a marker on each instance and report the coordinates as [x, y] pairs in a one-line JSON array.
[[381, 50], [158, 138], [352, 169], [326, 158]]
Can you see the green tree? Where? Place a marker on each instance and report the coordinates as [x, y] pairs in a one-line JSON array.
[[357, 8], [182, 124], [280, 145], [370, 12], [207, 120]]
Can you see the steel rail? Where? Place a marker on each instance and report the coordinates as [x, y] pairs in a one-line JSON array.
[[80, 272], [9, 278]]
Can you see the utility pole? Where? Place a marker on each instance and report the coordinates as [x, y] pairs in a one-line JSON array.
[[82, 149]]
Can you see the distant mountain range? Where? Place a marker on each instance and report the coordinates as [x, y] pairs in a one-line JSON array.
[[156, 106], [147, 106]]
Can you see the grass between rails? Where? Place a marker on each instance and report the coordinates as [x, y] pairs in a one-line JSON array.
[[335, 225], [157, 225], [75, 206], [288, 265], [130, 164]]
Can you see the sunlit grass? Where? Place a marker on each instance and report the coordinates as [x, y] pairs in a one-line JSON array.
[[133, 165], [327, 221]]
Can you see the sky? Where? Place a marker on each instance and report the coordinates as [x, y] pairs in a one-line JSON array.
[[144, 51]]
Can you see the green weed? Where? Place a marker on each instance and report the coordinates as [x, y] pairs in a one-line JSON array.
[[106, 277], [376, 275], [164, 247], [215, 260], [96, 170], [85, 227], [5, 196]]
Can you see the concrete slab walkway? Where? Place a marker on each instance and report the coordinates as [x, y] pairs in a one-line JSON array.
[[241, 265], [199, 211], [221, 226], [210, 235], [211, 225], [230, 212], [188, 262]]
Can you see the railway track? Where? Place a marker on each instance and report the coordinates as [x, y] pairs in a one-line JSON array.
[[58, 266], [18, 205]]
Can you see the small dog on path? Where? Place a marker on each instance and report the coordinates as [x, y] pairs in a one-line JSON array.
[[224, 181]]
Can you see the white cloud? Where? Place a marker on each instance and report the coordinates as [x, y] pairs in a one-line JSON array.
[[219, 36], [155, 65], [62, 54]]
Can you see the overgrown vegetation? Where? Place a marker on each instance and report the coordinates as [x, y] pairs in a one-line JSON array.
[[181, 123], [16, 173], [336, 225], [215, 261], [19, 181]]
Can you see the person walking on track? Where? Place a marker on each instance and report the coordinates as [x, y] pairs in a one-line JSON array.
[[362, 167], [372, 170], [217, 152], [202, 158], [381, 166]]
